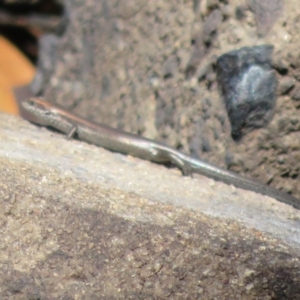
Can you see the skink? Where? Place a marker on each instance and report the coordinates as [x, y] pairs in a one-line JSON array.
[[48, 114]]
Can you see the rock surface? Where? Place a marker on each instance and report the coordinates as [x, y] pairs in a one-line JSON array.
[[80, 222], [148, 67]]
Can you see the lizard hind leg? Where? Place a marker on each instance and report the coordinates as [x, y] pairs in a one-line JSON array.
[[183, 165]]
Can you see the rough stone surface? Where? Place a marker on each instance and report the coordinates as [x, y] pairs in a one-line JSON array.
[[149, 67], [266, 13], [80, 222]]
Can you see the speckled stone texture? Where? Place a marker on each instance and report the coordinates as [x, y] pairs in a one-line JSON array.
[[148, 67], [80, 222]]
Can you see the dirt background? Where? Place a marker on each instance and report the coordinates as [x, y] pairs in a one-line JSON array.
[[148, 67]]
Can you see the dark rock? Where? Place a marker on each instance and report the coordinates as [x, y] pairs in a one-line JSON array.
[[248, 86]]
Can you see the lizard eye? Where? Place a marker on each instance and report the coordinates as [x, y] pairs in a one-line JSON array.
[[32, 103]]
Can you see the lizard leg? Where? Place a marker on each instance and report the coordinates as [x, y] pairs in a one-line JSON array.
[[72, 132], [184, 166]]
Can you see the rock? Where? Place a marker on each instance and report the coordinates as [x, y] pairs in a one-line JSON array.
[[248, 86], [80, 222]]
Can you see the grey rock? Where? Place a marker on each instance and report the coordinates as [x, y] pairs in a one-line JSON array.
[[248, 86]]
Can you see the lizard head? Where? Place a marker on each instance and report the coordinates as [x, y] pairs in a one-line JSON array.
[[37, 110]]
